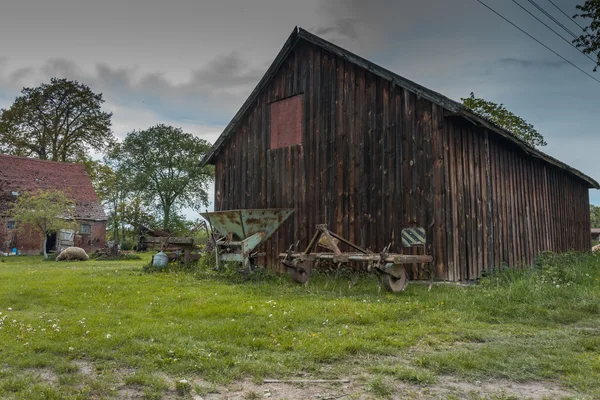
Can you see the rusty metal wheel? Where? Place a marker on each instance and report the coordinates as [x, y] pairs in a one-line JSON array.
[[301, 271], [395, 279]]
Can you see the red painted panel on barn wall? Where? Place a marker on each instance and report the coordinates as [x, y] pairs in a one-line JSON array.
[[286, 122]]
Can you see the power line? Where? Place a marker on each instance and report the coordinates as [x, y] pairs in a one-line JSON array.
[[547, 14], [548, 48], [556, 33], [566, 15]]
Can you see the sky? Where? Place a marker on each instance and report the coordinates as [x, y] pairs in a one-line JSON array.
[[192, 64]]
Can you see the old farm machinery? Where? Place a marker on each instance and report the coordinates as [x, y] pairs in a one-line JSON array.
[[388, 267], [242, 232]]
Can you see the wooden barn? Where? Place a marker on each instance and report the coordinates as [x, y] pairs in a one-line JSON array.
[[367, 152]]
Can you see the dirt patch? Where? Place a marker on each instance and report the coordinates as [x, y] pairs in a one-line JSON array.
[[447, 387], [45, 375], [85, 367]]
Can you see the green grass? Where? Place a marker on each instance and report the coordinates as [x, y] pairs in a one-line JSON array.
[[91, 329]]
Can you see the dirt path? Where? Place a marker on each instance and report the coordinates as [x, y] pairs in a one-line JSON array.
[[446, 388]]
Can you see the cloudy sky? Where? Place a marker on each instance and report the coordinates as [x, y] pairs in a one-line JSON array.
[[192, 63]]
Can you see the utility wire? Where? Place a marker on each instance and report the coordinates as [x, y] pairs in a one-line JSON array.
[[547, 14], [566, 15], [548, 48], [556, 33]]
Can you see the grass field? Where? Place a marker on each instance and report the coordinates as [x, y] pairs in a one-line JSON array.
[[101, 329]]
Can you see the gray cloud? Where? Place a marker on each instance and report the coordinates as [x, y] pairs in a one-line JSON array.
[[216, 89], [346, 27]]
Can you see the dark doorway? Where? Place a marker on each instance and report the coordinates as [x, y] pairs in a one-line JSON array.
[[51, 242]]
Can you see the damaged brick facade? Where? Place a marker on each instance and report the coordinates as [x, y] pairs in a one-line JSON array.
[[20, 174]]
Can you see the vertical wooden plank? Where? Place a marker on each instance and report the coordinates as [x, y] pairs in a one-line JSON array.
[[370, 162], [437, 205], [478, 215], [487, 206], [339, 146], [472, 228], [398, 171], [350, 148], [465, 206], [407, 160], [453, 229], [383, 116], [392, 173], [331, 150], [360, 184]]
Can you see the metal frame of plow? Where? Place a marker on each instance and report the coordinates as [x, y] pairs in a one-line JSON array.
[[243, 231], [387, 266]]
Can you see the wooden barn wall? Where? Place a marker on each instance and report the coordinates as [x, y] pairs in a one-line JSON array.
[[377, 158], [503, 207]]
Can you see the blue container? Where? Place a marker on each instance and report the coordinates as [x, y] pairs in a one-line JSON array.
[[160, 260]]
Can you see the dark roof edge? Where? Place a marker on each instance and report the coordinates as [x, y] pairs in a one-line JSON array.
[[281, 56], [454, 107]]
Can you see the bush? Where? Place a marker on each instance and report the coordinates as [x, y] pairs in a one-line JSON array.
[[126, 245]]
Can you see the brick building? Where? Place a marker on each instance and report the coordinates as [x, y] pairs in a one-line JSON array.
[[20, 174]]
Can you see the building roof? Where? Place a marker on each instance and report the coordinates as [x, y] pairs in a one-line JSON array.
[[452, 107], [22, 174]]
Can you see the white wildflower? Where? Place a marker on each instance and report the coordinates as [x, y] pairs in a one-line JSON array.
[[108, 335]]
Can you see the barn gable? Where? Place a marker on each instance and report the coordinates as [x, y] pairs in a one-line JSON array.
[[451, 107]]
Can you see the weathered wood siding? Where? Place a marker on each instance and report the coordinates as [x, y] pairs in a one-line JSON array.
[[377, 158]]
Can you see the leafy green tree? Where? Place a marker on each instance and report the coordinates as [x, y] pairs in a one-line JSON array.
[[500, 116], [45, 212], [58, 121], [595, 216], [163, 166], [589, 41]]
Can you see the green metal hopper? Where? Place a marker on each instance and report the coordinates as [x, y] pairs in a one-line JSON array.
[[244, 231]]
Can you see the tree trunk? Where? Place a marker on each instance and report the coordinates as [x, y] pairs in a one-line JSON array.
[[167, 217], [44, 246]]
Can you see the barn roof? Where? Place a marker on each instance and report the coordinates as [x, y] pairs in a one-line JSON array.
[[22, 174], [452, 107]]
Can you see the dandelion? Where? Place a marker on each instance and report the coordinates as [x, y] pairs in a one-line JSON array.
[[557, 286], [9, 308], [108, 335]]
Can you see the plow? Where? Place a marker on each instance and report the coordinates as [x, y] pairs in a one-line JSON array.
[[388, 267]]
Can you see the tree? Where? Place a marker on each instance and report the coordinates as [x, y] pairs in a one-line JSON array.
[[505, 119], [45, 212], [163, 165], [59, 121], [595, 216], [589, 41]]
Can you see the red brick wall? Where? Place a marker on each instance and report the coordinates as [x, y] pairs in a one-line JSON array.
[[96, 240], [30, 242]]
